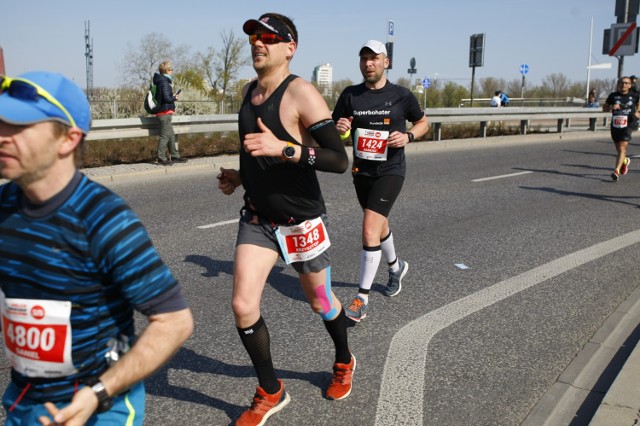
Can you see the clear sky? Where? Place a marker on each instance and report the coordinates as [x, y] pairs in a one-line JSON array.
[[551, 36]]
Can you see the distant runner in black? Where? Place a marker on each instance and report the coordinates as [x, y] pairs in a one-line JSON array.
[[623, 105]]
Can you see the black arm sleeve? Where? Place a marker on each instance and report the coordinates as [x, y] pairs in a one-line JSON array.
[[331, 157]]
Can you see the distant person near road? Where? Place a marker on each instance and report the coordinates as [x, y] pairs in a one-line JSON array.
[[374, 115], [592, 101], [634, 84], [504, 99], [287, 135], [167, 98], [75, 263], [634, 88], [623, 104], [497, 99]]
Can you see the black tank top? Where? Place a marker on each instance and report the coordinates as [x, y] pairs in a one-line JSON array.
[[280, 191]]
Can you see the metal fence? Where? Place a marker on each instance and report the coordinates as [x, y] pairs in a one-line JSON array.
[[528, 102]]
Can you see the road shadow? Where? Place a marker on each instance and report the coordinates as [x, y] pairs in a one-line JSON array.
[[559, 173], [278, 279], [609, 198], [188, 360]]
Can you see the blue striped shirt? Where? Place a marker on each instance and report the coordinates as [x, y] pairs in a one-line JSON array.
[[86, 246]]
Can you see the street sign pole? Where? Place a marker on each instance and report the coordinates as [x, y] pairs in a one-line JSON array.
[[524, 69], [425, 85]]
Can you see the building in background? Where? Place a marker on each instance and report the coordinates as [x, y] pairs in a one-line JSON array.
[[323, 78]]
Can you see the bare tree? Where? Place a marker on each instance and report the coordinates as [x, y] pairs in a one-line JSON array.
[[206, 62], [221, 67], [141, 62], [555, 85], [489, 85]]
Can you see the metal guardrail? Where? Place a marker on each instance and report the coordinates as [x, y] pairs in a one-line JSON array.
[[150, 126], [524, 115], [185, 124]]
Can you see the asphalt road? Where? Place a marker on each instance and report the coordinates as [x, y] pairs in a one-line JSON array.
[[519, 249]]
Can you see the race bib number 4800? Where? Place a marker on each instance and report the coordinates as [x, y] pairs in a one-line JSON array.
[[37, 336], [303, 242], [371, 144]]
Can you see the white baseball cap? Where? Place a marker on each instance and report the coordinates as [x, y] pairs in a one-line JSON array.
[[375, 46]]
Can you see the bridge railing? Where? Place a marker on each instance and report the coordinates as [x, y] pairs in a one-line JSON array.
[[560, 116], [185, 124]]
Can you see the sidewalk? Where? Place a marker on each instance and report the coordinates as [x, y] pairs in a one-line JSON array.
[[621, 404]]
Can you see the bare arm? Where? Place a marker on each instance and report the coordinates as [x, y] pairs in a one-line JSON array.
[[305, 115], [164, 335]]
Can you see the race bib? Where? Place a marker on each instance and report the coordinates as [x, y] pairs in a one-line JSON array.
[[37, 336], [302, 242], [371, 144], [620, 121]]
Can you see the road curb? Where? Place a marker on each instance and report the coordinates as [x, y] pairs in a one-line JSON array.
[[583, 387]]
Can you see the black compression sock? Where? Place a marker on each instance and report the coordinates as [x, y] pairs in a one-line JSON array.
[[257, 342], [337, 329]]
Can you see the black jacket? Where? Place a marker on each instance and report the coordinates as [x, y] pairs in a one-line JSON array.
[[164, 93]]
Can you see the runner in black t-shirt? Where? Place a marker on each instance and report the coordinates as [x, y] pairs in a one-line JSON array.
[[623, 105], [374, 114]]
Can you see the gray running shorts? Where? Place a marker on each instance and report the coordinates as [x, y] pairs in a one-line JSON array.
[[263, 235]]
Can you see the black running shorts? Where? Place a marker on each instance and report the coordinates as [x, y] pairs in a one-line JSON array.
[[378, 193], [619, 135]]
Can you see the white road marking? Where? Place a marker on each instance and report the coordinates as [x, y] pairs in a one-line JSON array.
[[462, 266], [501, 176], [213, 225], [402, 388]]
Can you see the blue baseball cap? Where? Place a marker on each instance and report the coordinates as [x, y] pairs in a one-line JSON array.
[[24, 107]]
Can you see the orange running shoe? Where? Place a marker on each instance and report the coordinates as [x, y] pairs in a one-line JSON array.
[[340, 386], [264, 405]]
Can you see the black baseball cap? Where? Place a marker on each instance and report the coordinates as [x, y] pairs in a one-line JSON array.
[[269, 23]]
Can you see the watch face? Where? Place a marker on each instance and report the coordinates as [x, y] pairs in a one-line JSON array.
[[289, 152]]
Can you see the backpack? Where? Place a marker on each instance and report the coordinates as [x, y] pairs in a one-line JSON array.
[[151, 101]]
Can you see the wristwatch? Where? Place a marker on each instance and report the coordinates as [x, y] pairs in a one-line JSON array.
[[410, 136], [288, 151], [105, 402]]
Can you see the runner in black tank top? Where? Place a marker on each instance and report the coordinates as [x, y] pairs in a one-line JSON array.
[[287, 135]]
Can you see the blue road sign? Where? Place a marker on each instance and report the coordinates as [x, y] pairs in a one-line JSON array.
[[426, 83], [524, 68], [391, 28]]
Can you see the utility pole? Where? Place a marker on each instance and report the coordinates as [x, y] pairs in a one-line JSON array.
[[88, 53]]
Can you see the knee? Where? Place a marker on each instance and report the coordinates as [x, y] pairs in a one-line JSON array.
[[370, 237], [326, 310], [243, 309]]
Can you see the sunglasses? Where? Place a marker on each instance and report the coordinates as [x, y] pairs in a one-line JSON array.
[[21, 88], [266, 38]]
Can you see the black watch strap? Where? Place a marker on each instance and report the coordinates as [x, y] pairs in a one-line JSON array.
[[410, 136], [105, 402]]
